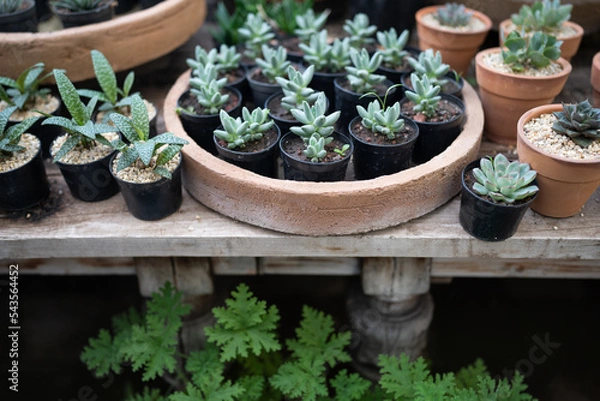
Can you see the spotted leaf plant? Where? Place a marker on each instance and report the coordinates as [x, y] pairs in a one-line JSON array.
[[361, 74], [237, 132], [580, 122], [504, 181], [536, 52], [21, 92], [295, 89], [425, 95], [11, 136], [143, 151]]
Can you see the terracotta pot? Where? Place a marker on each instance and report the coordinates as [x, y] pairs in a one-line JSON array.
[[570, 43], [595, 79], [565, 184], [505, 97], [457, 47]]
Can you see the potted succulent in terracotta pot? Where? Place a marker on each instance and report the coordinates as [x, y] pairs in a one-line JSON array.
[[30, 98], [250, 142], [18, 16], [595, 79], [550, 17], [440, 117], [74, 13], [429, 62], [148, 170], [383, 142], [83, 152], [562, 143], [454, 30], [22, 173], [495, 196], [395, 54], [262, 77], [199, 107], [315, 151], [529, 72]]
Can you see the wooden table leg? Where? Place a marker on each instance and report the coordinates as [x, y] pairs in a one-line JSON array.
[[392, 313]]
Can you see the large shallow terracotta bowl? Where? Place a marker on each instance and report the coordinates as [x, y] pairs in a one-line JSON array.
[[127, 41], [320, 208]]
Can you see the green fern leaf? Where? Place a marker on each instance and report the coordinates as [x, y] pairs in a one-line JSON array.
[[147, 395], [349, 387], [102, 355], [399, 375], [303, 379]]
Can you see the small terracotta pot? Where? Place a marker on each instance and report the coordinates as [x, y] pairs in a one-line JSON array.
[[570, 43], [505, 97], [565, 184], [457, 47], [595, 79]]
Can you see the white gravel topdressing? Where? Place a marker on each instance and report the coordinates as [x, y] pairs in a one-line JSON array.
[[31, 144], [495, 61], [143, 175], [539, 132], [81, 155], [47, 104]]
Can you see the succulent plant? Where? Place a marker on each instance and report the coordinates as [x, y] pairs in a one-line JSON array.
[[284, 13], [274, 62], [430, 63], [536, 51], [237, 132], [77, 5], [111, 95], [255, 34], [11, 136], [392, 46], [225, 59], [424, 95], [144, 151], [504, 181], [10, 6], [580, 122], [385, 121], [201, 56], [324, 56], [361, 74], [208, 89], [545, 15], [80, 128], [22, 91], [453, 15], [360, 30], [309, 24], [295, 89]]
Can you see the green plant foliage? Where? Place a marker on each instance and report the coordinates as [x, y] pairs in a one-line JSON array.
[[11, 136], [361, 74], [274, 62], [360, 30], [504, 181], [148, 394], [392, 46], [326, 57], [296, 89], [430, 63], [385, 121], [534, 52], [453, 15], [309, 24], [77, 5], [285, 13], [238, 133], [580, 122], [545, 15], [22, 91], [349, 386], [424, 95], [10, 6], [207, 89], [255, 33], [150, 152]]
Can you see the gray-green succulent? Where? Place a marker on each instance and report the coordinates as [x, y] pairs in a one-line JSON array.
[[391, 46], [327, 57], [546, 16], [537, 51], [381, 120], [274, 62], [430, 63], [453, 15], [10, 6], [504, 181], [237, 132], [309, 24], [10, 136], [296, 89], [360, 30], [425, 95], [361, 74], [77, 5], [208, 89], [580, 122], [255, 34], [21, 92]]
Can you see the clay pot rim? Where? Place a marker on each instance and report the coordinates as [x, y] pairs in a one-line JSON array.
[[595, 73], [536, 112], [567, 68], [579, 31], [477, 14]]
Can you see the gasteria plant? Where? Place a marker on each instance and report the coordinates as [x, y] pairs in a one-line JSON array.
[[430, 63], [453, 15], [361, 74], [424, 95], [309, 24], [359, 30], [144, 152], [237, 132], [11, 136], [535, 52], [295, 89], [274, 62], [504, 181], [255, 34], [546, 16], [23, 91], [392, 46], [580, 122], [327, 57]]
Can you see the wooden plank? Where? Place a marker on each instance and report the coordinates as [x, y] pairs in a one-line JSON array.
[[75, 267], [234, 266], [310, 266]]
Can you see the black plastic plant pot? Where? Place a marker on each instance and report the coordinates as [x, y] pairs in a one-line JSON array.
[[242, 86], [283, 124], [263, 162], [149, 3], [200, 127], [486, 220], [260, 90], [395, 75], [25, 186], [90, 182], [386, 14], [21, 21], [371, 160], [124, 5], [104, 12], [301, 170], [323, 81], [453, 87], [347, 100], [42, 10], [154, 200], [435, 137]]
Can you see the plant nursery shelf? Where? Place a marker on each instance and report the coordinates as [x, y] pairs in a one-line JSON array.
[[127, 41], [324, 208]]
